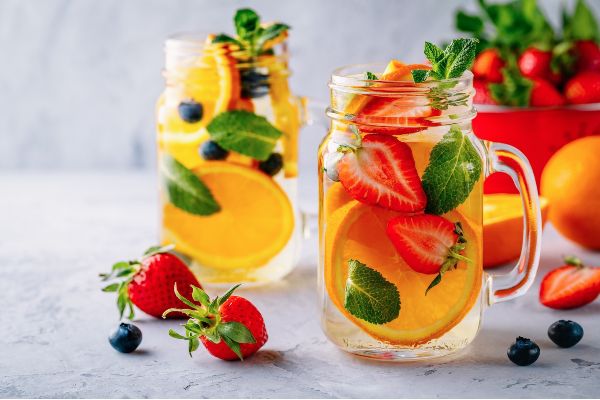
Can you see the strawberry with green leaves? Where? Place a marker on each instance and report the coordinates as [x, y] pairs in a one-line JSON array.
[[230, 327], [148, 282]]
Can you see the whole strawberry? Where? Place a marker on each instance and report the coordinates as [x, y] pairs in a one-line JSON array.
[[229, 327], [148, 282]]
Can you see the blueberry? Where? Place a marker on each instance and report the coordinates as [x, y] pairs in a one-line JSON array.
[[254, 84], [523, 352], [212, 151], [565, 333], [125, 338], [271, 165], [190, 111]]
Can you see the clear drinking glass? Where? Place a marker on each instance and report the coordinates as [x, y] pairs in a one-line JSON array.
[[241, 223], [374, 293]]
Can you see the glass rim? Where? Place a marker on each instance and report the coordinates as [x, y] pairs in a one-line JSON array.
[[342, 77]]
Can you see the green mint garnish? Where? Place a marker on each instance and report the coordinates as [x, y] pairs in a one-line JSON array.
[[245, 133], [251, 36], [369, 296], [453, 257], [370, 76], [454, 167], [449, 63], [581, 25], [515, 90], [184, 189]]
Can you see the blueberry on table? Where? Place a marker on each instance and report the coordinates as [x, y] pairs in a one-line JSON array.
[[125, 338], [523, 352], [190, 111], [565, 333], [211, 150], [254, 84], [272, 165]]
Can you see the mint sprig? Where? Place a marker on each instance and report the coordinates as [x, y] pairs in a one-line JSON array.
[[369, 296], [454, 168], [252, 38], [244, 132], [449, 63], [205, 321], [184, 189]]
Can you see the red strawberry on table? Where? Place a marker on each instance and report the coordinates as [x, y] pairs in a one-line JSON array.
[[429, 244], [229, 327], [588, 55], [381, 171], [583, 88], [544, 94], [488, 66], [570, 286], [148, 282]]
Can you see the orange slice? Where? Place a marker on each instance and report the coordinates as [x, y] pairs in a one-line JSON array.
[[503, 227], [255, 222], [215, 84], [357, 231], [336, 197]]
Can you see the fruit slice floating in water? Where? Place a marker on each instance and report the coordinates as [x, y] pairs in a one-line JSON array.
[[382, 172], [429, 244], [214, 85], [503, 227], [357, 231], [255, 222]]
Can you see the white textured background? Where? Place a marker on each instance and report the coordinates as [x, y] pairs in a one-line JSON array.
[[78, 79]]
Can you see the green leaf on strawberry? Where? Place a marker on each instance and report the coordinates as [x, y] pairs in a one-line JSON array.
[[184, 189], [369, 296], [515, 89], [454, 168], [244, 132], [581, 24]]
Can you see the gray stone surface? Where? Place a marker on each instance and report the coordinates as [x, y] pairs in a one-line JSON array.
[[79, 78], [57, 231]]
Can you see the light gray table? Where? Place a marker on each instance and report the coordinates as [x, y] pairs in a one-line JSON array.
[[57, 231]]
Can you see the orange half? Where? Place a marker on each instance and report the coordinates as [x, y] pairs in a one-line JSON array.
[[357, 231]]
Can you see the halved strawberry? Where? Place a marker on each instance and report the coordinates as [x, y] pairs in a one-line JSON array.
[[429, 244], [382, 172], [392, 115], [570, 286]]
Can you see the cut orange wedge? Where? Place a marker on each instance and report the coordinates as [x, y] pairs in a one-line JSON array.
[[357, 231], [503, 227], [255, 222], [215, 84]]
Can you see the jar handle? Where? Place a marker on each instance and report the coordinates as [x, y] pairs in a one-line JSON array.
[[509, 160]]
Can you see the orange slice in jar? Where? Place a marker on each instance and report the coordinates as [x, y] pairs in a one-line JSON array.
[[357, 231], [255, 222], [214, 83]]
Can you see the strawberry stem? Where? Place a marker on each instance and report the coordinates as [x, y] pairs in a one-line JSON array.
[[574, 261]]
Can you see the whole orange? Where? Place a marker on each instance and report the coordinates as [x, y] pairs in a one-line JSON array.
[[571, 182]]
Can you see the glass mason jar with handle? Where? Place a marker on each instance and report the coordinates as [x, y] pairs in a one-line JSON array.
[[227, 135], [400, 214]]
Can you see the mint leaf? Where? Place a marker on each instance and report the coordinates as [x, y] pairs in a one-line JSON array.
[[244, 132], [247, 22], [271, 32], [581, 25], [184, 189], [515, 89], [370, 76], [223, 38], [454, 167], [432, 52], [420, 75], [369, 296]]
